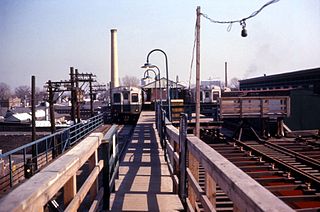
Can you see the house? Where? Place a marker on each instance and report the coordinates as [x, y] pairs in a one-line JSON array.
[[17, 117], [10, 103], [157, 89]]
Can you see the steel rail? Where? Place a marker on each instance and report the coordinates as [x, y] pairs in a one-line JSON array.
[[309, 178]]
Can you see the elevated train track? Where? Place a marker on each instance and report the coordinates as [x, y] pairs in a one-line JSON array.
[[292, 177]]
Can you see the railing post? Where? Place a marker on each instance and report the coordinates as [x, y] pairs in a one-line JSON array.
[[160, 127], [70, 190], [11, 171], [93, 161], [106, 157], [210, 189], [182, 158], [163, 133], [193, 165]]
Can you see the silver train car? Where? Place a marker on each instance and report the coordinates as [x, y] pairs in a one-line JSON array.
[[208, 94], [126, 104]]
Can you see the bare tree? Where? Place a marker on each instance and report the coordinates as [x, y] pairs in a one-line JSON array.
[[234, 83], [40, 94], [23, 92], [130, 81], [5, 91]]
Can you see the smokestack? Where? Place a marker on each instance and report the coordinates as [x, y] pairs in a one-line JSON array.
[[225, 74], [114, 59]]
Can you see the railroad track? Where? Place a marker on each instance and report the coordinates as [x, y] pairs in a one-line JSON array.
[[304, 146], [291, 176]]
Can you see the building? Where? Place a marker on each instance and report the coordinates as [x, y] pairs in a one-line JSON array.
[[303, 88], [154, 91], [307, 79], [10, 103]]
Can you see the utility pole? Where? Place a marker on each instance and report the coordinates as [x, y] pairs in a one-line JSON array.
[[197, 132], [73, 108], [91, 95], [51, 107], [33, 113], [52, 119], [33, 107], [77, 96], [225, 74]]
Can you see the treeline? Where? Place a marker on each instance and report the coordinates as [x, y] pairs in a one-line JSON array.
[[23, 92]]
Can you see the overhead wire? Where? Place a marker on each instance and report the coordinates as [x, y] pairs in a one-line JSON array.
[[192, 57], [241, 21]]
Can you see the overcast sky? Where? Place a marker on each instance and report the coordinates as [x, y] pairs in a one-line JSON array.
[[45, 37]]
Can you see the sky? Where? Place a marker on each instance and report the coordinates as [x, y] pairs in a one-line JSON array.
[[45, 37]]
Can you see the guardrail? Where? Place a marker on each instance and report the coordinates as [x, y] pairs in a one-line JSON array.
[[246, 194], [26, 160], [101, 154]]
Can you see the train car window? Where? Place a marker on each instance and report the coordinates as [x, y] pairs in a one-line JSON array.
[[134, 97], [207, 94], [125, 95], [116, 98], [215, 95]]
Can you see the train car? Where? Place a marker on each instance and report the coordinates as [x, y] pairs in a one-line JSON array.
[[126, 104], [208, 94]]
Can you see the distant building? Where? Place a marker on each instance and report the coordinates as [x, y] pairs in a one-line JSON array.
[[17, 118], [10, 103], [23, 115], [307, 79], [304, 91], [154, 91], [210, 83]]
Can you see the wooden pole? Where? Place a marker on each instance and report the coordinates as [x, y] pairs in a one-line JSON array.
[[91, 95], [52, 119], [33, 107], [33, 114], [73, 107], [225, 74], [197, 131], [51, 108], [77, 96]]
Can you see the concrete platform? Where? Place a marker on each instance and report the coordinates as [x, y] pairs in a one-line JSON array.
[[144, 182]]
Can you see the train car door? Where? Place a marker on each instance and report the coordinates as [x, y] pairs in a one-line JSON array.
[[126, 98]]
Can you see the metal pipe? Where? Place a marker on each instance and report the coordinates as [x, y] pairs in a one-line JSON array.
[[155, 84], [167, 75]]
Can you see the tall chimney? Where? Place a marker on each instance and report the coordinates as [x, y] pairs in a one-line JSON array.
[[114, 59], [225, 74]]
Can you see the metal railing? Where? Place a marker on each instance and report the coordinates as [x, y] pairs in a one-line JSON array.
[[99, 152], [24, 161]]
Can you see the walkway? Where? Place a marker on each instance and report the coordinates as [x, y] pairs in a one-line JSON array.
[[144, 181]]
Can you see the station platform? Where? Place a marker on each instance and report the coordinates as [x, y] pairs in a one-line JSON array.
[[144, 182]]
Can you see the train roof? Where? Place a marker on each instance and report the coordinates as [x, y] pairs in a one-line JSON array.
[[126, 88], [163, 84]]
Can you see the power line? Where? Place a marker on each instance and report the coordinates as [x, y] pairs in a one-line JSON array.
[[192, 58], [241, 21]]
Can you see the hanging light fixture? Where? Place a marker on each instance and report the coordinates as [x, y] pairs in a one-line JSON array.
[[244, 32]]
